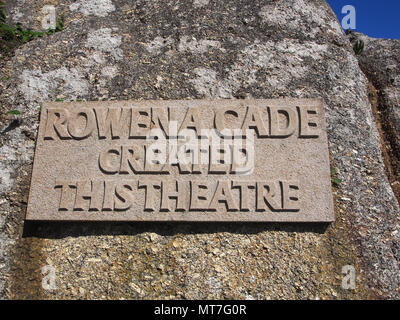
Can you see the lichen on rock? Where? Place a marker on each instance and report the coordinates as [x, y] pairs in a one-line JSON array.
[[99, 8]]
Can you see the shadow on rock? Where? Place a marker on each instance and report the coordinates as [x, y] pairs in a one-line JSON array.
[[58, 230]]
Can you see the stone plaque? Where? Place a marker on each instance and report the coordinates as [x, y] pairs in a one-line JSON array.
[[201, 160]]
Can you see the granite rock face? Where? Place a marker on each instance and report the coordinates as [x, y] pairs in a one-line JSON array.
[[380, 61], [120, 50]]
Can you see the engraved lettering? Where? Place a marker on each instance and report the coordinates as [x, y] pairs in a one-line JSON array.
[[290, 195], [150, 194], [160, 118], [226, 117], [57, 120], [244, 187], [66, 195], [110, 160], [228, 160], [223, 194], [199, 196], [110, 121], [268, 196], [253, 120], [173, 196], [89, 190], [79, 129], [140, 123], [132, 158], [278, 117], [193, 121], [123, 195], [108, 200], [308, 118]]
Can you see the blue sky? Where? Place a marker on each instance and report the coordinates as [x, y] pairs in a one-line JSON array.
[[378, 19]]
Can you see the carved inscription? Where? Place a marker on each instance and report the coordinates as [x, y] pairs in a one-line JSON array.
[[228, 160], [135, 123], [174, 195]]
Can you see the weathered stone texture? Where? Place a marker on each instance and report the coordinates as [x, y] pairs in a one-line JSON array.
[[380, 61], [185, 50]]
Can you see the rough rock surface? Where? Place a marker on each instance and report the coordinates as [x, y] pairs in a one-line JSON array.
[[115, 49], [380, 61]]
